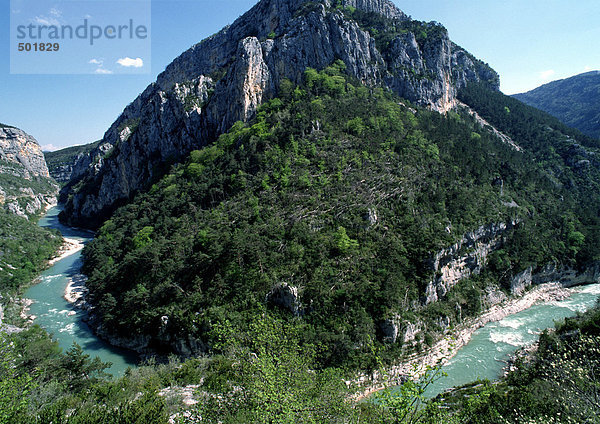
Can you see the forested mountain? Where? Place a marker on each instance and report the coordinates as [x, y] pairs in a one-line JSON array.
[[226, 77], [337, 201], [63, 164], [319, 190], [575, 101], [329, 206]]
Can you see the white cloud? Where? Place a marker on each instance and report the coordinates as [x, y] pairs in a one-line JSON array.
[[46, 20], [547, 75], [49, 148], [53, 18], [103, 71], [129, 62], [96, 62]]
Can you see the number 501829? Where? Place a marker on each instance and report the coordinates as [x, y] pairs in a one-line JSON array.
[[38, 47]]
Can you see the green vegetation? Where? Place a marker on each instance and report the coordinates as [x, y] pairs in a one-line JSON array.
[[13, 184], [24, 250], [68, 155], [343, 193], [575, 101]]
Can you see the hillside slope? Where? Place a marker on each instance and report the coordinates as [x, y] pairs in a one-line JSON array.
[[226, 77], [575, 101], [348, 207]]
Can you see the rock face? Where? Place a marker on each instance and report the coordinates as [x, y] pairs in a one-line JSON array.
[[567, 277], [521, 282], [71, 162], [21, 149], [286, 296], [396, 329], [25, 184], [227, 76], [465, 258]]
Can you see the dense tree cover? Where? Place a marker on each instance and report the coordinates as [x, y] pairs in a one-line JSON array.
[[567, 157], [342, 192], [263, 376], [24, 250], [41, 384], [575, 101]]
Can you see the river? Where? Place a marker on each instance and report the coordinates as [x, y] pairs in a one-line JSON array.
[[60, 318], [485, 356]]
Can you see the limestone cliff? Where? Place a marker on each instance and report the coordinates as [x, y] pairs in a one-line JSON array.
[[226, 77], [465, 258], [25, 184], [21, 149]]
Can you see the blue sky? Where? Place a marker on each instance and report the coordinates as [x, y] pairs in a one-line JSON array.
[[528, 42]]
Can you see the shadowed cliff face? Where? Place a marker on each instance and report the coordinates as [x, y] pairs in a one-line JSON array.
[[226, 77]]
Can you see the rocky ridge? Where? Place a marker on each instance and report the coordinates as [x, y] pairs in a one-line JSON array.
[[226, 77], [25, 184]]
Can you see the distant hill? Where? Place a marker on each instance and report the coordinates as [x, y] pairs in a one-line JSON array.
[[61, 162], [575, 101]]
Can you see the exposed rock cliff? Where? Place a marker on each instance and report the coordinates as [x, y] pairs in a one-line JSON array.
[[70, 163], [25, 184], [19, 148], [465, 258], [554, 273], [227, 76]]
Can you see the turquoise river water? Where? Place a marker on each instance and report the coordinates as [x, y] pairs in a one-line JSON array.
[[60, 318], [490, 347], [483, 357]]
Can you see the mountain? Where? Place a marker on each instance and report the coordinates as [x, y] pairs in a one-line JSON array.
[[62, 163], [26, 189], [25, 184], [361, 217], [296, 167], [575, 101], [224, 79]]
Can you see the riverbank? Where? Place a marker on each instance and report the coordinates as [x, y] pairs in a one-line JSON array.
[[446, 348], [76, 291], [69, 247]]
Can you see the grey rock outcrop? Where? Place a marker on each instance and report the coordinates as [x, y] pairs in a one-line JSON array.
[[21, 149], [285, 296], [465, 258], [396, 329], [521, 282], [227, 76], [568, 277], [27, 187]]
